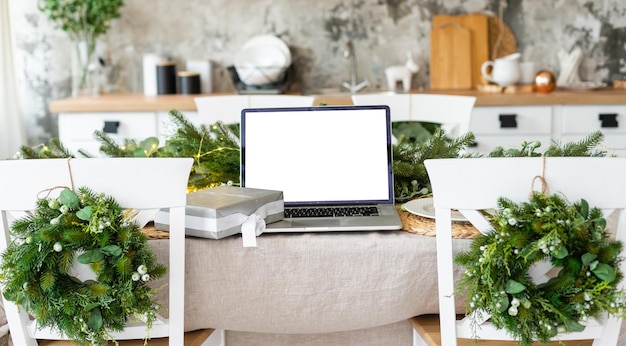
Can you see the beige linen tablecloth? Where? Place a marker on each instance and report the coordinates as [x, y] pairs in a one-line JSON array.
[[312, 289], [309, 282]]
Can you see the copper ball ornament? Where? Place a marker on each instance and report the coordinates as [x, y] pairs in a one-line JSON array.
[[544, 81]]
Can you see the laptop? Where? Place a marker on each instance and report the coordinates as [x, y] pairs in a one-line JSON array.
[[328, 161]]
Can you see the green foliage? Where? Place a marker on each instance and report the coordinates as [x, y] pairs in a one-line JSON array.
[[413, 131], [215, 150], [36, 270], [411, 178], [584, 147], [53, 150], [573, 238], [83, 20], [129, 148]]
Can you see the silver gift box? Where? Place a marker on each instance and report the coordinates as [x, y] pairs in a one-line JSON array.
[[219, 212]]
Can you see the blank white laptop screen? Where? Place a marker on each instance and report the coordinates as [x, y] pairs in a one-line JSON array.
[[319, 155]]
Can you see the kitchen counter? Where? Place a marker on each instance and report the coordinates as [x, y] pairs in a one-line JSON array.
[[140, 102]]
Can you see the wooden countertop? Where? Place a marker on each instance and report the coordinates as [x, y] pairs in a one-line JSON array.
[[140, 102]]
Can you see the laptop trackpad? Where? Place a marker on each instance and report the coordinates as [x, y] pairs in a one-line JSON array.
[[304, 224]]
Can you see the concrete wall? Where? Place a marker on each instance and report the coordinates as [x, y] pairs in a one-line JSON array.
[[316, 32]]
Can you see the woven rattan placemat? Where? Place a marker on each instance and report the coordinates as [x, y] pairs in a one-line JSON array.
[[410, 222], [424, 226], [153, 233]]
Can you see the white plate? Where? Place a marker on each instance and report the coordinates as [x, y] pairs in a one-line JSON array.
[[269, 41], [424, 207]]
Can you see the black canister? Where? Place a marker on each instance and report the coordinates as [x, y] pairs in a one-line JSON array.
[[166, 77], [189, 82]]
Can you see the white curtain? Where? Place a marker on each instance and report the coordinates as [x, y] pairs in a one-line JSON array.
[[12, 134]]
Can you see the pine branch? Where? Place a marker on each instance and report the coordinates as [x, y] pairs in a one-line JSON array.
[[585, 147], [410, 175], [53, 150]]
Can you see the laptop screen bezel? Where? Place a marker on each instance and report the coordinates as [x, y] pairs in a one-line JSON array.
[[389, 150]]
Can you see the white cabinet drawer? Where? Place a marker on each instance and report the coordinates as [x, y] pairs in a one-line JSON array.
[[512, 120], [76, 130], [587, 118]]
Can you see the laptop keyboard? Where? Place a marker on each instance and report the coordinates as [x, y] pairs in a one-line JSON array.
[[331, 211]]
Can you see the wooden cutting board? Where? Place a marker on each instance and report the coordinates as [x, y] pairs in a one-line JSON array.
[[480, 31], [450, 57]]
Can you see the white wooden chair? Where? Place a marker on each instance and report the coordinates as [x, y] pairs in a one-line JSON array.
[[227, 108], [399, 104], [271, 101], [453, 112], [474, 184], [224, 108], [138, 183]]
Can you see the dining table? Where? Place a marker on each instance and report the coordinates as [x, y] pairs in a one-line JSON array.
[[315, 288], [325, 284]]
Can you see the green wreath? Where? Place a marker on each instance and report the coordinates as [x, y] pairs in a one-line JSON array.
[[573, 238], [37, 267]]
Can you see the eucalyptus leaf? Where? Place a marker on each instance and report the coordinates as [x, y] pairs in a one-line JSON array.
[[600, 222], [95, 319], [69, 199], [85, 213], [138, 152], [573, 326], [149, 145], [504, 303], [560, 253], [593, 265], [112, 250], [588, 258], [513, 287], [89, 307], [90, 256], [604, 272], [584, 208]]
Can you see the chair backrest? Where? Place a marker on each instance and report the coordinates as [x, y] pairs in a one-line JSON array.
[[453, 112], [227, 108], [399, 104], [135, 183], [224, 108], [474, 184], [271, 101]]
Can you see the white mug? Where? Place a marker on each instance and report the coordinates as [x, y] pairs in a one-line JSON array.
[[505, 71]]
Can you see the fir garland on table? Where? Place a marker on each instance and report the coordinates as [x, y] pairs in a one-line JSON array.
[[37, 270], [584, 147], [573, 238], [410, 176], [215, 150]]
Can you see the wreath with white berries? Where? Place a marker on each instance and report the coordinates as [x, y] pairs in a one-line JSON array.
[[573, 238], [90, 228]]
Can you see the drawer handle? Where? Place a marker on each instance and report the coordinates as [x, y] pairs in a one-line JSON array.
[[608, 120], [474, 144], [111, 126], [508, 121]]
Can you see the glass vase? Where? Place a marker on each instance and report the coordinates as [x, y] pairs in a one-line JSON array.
[[85, 69]]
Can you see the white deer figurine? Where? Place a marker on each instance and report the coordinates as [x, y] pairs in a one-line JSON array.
[[402, 74]]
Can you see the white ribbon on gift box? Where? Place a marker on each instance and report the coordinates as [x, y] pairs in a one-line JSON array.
[[255, 223], [232, 220], [252, 228]]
